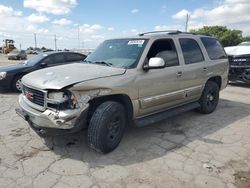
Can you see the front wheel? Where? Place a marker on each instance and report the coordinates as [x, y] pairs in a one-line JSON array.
[[210, 98], [107, 127], [17, 84]]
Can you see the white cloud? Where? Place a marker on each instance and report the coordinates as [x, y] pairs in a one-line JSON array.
[[35, 18], [90, 29], [134, 11], [34, 29], [133, 30], [62, 22], [111, 29], [231, 13], [97, 37], [181, 15], [57, 7], [8, 11], [167, 27]]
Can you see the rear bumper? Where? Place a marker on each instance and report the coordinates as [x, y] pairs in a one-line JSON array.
[[50, 123]]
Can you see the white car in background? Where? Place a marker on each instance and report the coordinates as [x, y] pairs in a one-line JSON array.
[[239, 59]]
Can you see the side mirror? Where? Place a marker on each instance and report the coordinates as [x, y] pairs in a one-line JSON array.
[[155, 63], [43, 64]]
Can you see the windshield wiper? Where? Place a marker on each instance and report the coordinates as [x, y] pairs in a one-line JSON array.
[[104, 63], [87, 61]]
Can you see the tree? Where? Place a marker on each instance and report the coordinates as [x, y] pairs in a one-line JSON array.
[[226, 36]]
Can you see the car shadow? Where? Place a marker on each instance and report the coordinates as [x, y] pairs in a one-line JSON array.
[[154, 141]]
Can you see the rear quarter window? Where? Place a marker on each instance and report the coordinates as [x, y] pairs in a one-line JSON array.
[[213, 48], [191, 51]]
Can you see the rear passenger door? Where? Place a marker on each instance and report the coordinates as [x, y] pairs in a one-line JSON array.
[[195, 68]]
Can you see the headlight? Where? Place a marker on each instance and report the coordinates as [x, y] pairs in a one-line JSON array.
[[2, 75], [61, 100], [58, 97]]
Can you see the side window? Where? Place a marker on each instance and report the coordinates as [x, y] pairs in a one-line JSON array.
[[74, 57], [58, 58], [191, 51], [166, 50], [48, 60], [214, 48]]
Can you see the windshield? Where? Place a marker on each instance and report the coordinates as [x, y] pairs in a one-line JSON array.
[[122, 53], [34, 60], [244, 44]]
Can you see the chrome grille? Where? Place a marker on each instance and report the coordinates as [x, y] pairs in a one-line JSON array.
[[239, 60], [35, 96]]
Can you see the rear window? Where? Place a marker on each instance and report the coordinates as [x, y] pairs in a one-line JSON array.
[[191, 51], [214, 48]]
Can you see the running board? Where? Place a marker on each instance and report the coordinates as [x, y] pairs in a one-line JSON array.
[[154, 118]]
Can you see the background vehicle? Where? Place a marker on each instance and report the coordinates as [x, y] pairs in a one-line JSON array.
[[17, 55], [10, 76], [127, 81], [239, 59], [8, 46]]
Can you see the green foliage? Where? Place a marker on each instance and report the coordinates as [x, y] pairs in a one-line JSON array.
[[227, 37]]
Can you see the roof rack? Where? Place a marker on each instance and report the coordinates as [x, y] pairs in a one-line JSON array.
[[166, 31], [173, 32]]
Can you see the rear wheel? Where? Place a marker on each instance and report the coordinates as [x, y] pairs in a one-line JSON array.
[[107, 126], [17, 84], [210, 98]]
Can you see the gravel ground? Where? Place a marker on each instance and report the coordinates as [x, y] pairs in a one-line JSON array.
[[189, 150]]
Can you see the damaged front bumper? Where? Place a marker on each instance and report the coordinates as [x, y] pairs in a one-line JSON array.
[[50, 122]]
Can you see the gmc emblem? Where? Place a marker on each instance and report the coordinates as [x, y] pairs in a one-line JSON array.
[[28, 95]]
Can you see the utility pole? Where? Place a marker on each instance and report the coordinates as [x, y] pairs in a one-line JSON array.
[[55, 44], [79, 43], [187, 21], [35, 41]]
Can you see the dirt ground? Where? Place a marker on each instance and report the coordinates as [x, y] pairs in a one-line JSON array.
[[188, 150]]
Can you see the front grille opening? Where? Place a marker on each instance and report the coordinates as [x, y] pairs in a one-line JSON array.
[[33, 95]]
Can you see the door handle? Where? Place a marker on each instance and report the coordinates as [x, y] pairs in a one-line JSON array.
[[179, 73], [204, 69]]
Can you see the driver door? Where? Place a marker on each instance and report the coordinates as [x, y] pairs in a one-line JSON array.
[[161, 88]]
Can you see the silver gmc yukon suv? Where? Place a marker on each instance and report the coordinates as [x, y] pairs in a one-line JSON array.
[[127, 81]]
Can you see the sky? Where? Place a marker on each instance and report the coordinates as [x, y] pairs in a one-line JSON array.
[[95, 20]]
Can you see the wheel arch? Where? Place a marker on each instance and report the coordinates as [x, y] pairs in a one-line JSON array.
[[121, 98], [217, 80]]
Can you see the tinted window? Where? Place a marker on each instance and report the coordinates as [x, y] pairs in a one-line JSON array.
[[48, 60], [58, 58], [74, 57], [34, 60], [214, 48], [166, 50], [191, 51]]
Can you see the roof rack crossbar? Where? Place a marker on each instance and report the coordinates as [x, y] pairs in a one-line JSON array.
[[166, 31]]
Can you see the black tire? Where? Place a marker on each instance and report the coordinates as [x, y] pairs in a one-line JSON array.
[[107, 126], [16, 83], [210, 98]]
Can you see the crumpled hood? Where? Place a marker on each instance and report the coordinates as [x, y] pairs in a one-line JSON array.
[[237, 50], [61, 76]]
